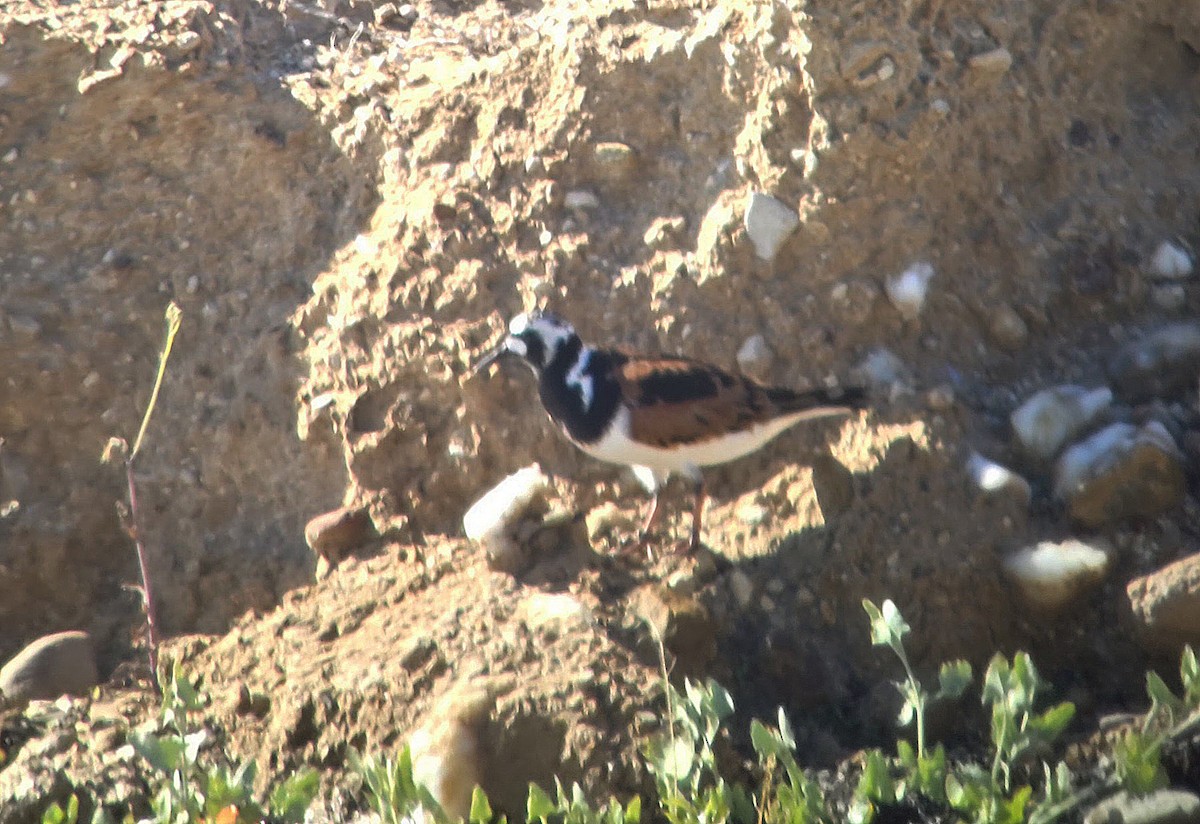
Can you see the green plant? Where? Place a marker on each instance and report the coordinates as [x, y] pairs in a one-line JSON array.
[[575, 808], [197, 788], [1138, 755], [790, 798], [985, 796], [391, 790], [130, 516], [57, 814]]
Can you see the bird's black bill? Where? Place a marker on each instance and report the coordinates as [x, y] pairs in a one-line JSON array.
[[490, 358]]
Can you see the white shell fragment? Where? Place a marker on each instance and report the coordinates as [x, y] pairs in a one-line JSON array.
[[1052, 417], [768, 223], [493, 519], [1170, 262], [754, 356], [1051, 575], [907, 290], [993, 478]]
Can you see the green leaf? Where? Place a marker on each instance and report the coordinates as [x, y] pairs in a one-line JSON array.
[[481, 810], [908, 711], [1139, 764], [953, 679], [1051, 723], [876, 783], [887, 625], [291, 797], [785, 731], [163, 753], [995, 679], [1013, 810], [538, 806], [1189, 675], [192, 743], [1161, 697], [633, 811], [766, 742]]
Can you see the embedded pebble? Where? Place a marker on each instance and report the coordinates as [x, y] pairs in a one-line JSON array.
[[615, 159], [940, 398], [996, 61], [754, 357], [541, 610], [1048, 419], [54, 665], [768, 223], [996, 479], [907, 291], [580, 199], [1007, 328], [742, 588], [609, 520], [1170, 297], [1162, 363], [1170, 262], [1121, 472], [854, 300], [1051, 575], [1166, 603], [495, 520], [882, 369]]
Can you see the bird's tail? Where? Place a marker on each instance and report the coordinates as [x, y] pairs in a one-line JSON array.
[[820, 403]]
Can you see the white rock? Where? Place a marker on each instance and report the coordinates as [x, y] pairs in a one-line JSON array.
[[492, 520], [581, 199], [768, 223], [1050, 418], [546, 609], [993, 478], [882, 369], [907, 290], [1171, 262], [1051, 575], [754, 357]]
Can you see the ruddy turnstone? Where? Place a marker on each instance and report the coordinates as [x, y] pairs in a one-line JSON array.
[[658, 415]]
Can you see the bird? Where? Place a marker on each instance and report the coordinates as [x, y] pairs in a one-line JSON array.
[[659, 415]]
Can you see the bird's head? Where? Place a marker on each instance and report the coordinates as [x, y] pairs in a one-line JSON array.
[[534, 337]]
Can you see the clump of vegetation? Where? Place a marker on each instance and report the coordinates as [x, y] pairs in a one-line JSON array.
[[196, 782]]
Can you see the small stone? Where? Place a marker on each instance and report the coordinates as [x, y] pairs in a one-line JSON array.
[[334, 535], [1051, 575], [1166, 604], [992, 478], [24, 327], [834, 484], [940, 398], [54, 665], [542, 610], [681, 622], [907, 290], [754, 357], [1048, 419], [1157, 807], [882, 369], [1007, 328], [1121, 473], [414, 652], [494, 520], [615, 160], [994, 62], [742, 588], [581, 200], [1170, 262], [854, 300], [1160, 364], [1170, 297], [768, 223]]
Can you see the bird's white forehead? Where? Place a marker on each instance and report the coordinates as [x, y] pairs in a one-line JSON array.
[[518, 324]]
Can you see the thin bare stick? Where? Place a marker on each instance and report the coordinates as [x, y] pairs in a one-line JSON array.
[[174, 317]]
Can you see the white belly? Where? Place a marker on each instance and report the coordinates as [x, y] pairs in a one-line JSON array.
[[616, 446]]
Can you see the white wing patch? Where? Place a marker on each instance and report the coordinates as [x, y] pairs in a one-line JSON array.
[[580, 381]]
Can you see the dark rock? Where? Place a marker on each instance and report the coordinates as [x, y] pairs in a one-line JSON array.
[[51, 666]]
